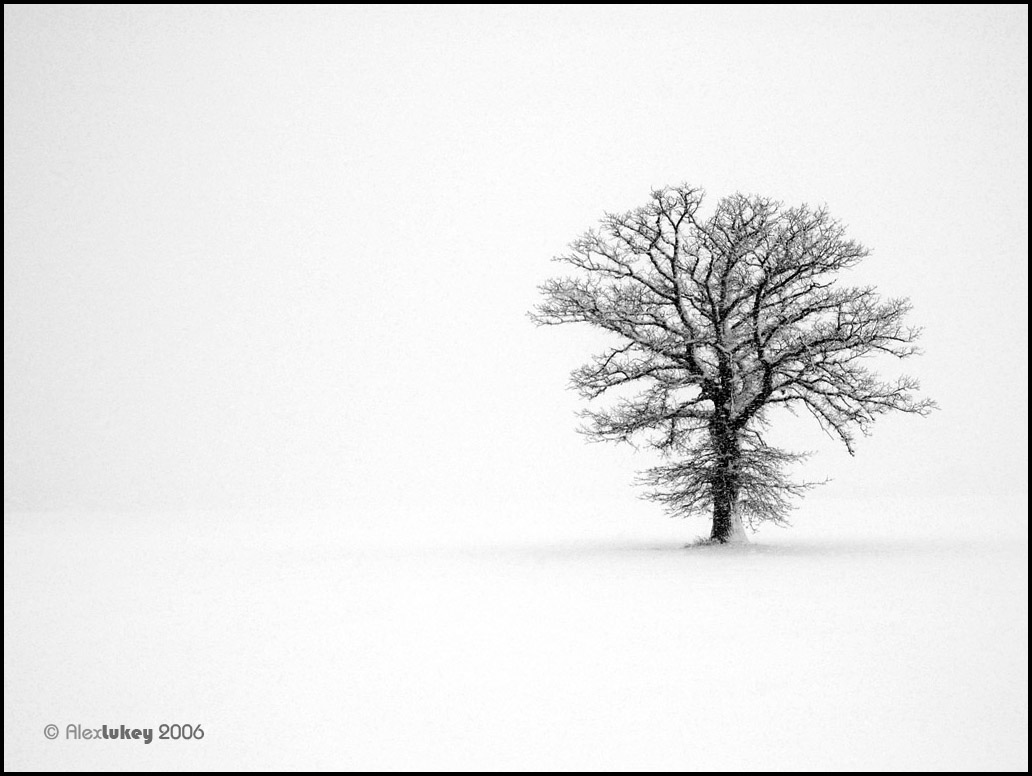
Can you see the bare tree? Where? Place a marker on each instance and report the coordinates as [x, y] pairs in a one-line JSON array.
[[718, 320]]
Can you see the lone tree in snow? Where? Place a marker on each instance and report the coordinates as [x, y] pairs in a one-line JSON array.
[[718, 320]]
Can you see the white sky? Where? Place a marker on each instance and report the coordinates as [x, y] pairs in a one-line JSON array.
[[260, 256]]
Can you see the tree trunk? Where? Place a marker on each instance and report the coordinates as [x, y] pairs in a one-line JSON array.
[[727, 525], [727, 520]]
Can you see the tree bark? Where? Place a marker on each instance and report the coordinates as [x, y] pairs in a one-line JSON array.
[[727, 525], [727, 520]]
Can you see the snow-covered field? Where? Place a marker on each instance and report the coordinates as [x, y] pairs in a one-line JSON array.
[[297, 643]]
